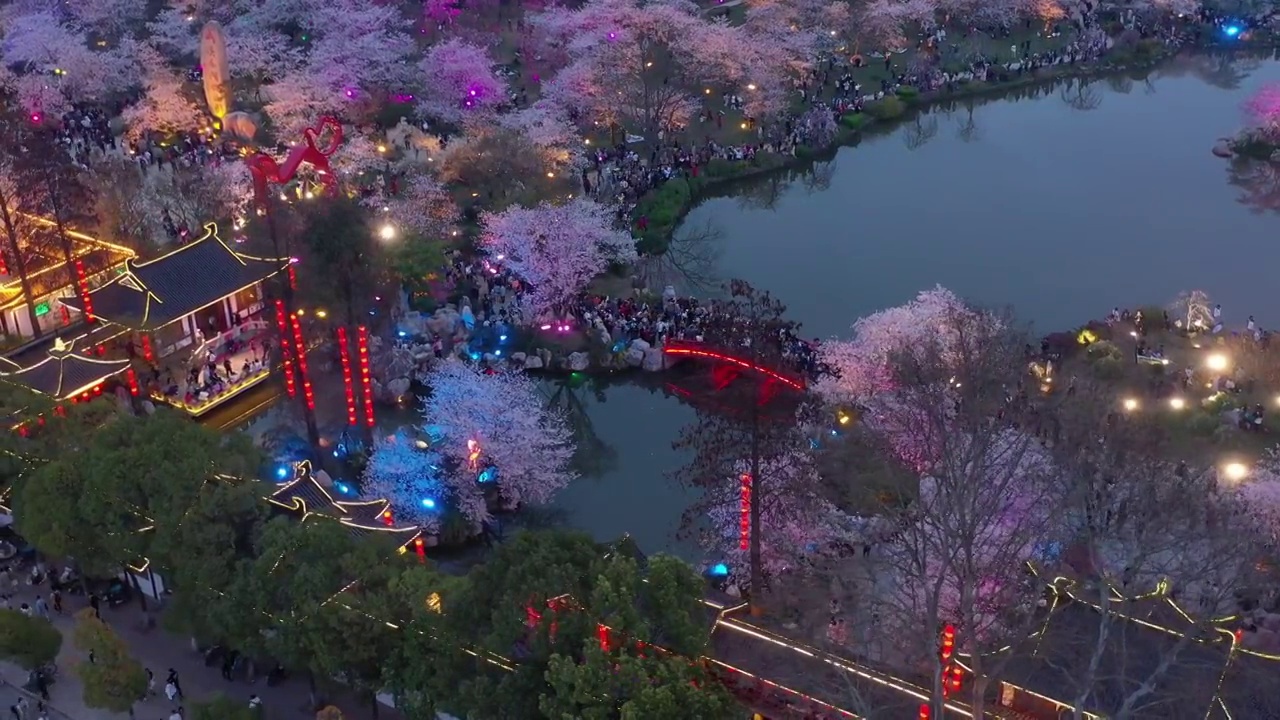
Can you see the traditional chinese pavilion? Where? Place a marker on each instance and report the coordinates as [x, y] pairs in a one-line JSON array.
[[66, 372], [192, 317], [51, 280]]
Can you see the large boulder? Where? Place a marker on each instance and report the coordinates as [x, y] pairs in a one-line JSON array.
[[654, 360], [518, 358], [398, 389], [634, 357], [533, 362], [578, 361], [640, 345], [444, 321]]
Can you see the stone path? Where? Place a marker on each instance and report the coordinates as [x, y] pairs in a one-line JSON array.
[[160, 651]]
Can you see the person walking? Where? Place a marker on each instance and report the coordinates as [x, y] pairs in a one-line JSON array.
[[171, 691], [96, 603], [151, 682], [42, 607], [57, 601]]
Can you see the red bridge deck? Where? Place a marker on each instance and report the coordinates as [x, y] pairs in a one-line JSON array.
[[692, 348]]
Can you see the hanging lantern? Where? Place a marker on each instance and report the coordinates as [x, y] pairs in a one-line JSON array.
[[82, 282], [289, 383], [420, 547], [301, 347], [348, 382], [744, 513], [133, 382], [366, 380]]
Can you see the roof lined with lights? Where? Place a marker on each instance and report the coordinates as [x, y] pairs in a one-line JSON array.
[[46, 264], [63, 373], [149, 295]]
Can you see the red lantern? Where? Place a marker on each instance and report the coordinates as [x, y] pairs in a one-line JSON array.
[[147, 354], [387, 518], [366, 380], [348, 382], [133, 382], [602, 634], [82, 281], [924, 711], [293, 278], [284, 350], [420, 546], [301, 347], [744, 513]]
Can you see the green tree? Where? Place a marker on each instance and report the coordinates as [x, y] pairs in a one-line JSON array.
[[220, 707], [112, 679], [31, 642]]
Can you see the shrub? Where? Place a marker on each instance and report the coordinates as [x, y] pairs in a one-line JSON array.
[[28, 641], [908, 93], [719, 168], [855, 121], [886, 109]]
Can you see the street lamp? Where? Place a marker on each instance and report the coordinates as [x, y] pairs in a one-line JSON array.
[[1217, 362], [1177, 403], [1130, 404], [1235, 471], [387, 232]]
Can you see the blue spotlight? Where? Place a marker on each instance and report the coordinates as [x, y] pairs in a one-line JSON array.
[[719, 570], [428, 503], [343, 488], [1232, 30], [282, 472]]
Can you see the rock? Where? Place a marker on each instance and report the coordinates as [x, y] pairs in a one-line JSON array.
[[641, 345], [430, 540], [654, 360], [545, 355], [398, 388], [533, 363], [634, 357], [1223, 148], [518, 358], [578, 361]]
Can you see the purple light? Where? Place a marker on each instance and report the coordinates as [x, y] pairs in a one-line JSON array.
[[613, 36], [473, 93], [349, 93]]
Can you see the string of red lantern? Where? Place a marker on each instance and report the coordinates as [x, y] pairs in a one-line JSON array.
[[133, 382], [387, 518], [301, 346], [420, 547], [348, 382], [744, 513], [293, 278], [4, 264], [602, 634], [366, 380], [284, 350], [147, 353], [82, 282]]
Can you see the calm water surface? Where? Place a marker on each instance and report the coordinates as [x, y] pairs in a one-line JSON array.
[[1042, 204]]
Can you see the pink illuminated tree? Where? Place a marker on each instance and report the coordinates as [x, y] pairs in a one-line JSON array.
[[173, 33], [440, 12], [460, 84], [410, 478], [1262, 109], [496, 419], [422, 207], [166, 106], [556, 249], [54, 66]]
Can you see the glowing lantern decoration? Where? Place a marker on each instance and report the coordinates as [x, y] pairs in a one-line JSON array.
[[602, 634], [293, 278], [147, 353], [301, 347], [948, 644], [284, 350], [387, 518], [133, 382], [348, 382], [434, 604], [924, 711], [420, 547], [4, 265], [366, 380], [82, 282], [744, 513]]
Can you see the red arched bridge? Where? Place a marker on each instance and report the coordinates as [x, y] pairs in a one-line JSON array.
[[732, 361]]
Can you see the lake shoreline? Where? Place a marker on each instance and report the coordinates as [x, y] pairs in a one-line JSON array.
[[664, 208]]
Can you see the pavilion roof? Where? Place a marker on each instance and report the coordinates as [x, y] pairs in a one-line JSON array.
[[62, 372], [45, 262], [154, 293]]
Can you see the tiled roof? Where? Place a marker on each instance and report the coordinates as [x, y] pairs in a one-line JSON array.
[[62, 372], [154, 293]]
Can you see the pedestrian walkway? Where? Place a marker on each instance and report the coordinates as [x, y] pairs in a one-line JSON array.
[[159, 651]]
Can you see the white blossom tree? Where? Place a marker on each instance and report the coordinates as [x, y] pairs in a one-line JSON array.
[[461, 85], [556, 249], [166, 105], [498, 419], [410, 478], [421, 208], [55, 67]]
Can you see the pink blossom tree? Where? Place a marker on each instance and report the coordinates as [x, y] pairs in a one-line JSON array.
[[173, 33], [556, 249], [461, 85], [166, 105], [1262, 109], [422, 208], [55, 66], [440, 12], [410, 478], [110, 18], [500, 420]]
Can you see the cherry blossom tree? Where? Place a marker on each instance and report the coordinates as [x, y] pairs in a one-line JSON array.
[[497, 419], [461, 84], [440, 12], [109, 18], [422, 207], [556, 249], [1262, 109], [173, 33], [501, 165], [546, 126], [166, 105], [410, 478], [55, 67]]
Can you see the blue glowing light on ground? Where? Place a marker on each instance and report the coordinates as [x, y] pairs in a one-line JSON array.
[[719, 570], [428, 503], [1231, 30], [282, 472]]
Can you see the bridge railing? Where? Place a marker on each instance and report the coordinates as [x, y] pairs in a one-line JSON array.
[[707, 351]]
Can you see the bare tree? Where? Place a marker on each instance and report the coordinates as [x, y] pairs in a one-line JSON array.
[[920, 131], [14, 202], [1081, 94]]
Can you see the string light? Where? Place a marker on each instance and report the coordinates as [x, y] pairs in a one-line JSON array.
[[348, 382], [301, 347], [366, 380], [677, 347], [286, 356]]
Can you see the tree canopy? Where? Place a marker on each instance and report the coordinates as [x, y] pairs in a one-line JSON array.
[[27, 640]]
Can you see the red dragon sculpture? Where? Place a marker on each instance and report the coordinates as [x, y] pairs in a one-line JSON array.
[[266, 171]]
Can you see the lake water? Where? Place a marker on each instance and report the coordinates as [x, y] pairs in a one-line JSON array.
[[1062, 205]]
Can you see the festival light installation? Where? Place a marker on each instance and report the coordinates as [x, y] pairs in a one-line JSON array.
[[951, 670], [285, 355], [301, 347], [420, 547], [744, 513], [473, 455], [82, 282], [387, 518], [602, 634], [266, 171], [133, 382], [348, 382], [293, 278], [366, 380], [147, 353]]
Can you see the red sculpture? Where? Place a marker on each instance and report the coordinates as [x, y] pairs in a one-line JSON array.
[[266, 171]]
